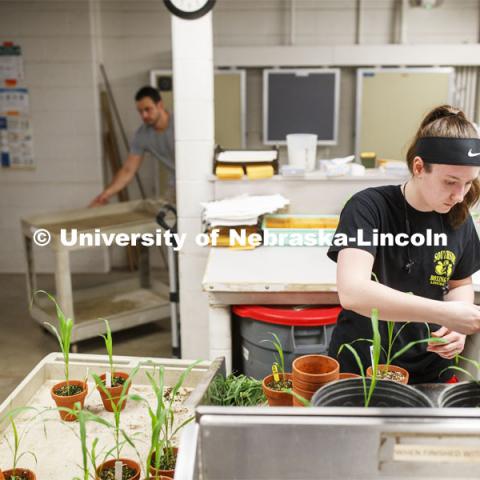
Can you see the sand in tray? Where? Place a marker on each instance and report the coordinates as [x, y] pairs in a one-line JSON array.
[[56, 444]]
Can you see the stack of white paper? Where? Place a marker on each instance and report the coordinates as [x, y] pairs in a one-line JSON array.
[[241, 210], [249, 156]]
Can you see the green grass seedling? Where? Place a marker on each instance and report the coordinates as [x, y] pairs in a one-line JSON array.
[[120, 436], [162, 417], [107, 338], [238, 391], [63, 333], [15, 444]]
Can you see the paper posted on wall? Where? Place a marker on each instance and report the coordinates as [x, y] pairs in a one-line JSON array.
[[16, 142], [11, 62]]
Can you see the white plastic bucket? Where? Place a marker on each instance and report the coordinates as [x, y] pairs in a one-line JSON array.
[[302, 150]]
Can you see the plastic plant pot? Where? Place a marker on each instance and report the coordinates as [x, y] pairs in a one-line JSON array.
[[388, 394], [345, 375], [461, 395]]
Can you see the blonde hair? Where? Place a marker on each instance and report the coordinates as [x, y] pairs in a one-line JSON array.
[[448, 121]]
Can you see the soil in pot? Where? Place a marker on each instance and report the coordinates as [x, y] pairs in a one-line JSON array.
[[317, 369], [274, 390], [392, 372], [115, 391], [18, 474], [167, 465], [66, 395], [130, 470]]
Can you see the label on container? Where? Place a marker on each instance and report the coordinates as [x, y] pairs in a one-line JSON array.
[[436, 453], [245, 353]]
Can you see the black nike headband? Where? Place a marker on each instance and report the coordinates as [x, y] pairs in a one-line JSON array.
[[449, 151]]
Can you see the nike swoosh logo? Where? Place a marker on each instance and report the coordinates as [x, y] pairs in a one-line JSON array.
[[471, 154]]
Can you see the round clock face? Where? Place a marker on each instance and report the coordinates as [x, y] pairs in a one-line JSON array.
[[189, 9]]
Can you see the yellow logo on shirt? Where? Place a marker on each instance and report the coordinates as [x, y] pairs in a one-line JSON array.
[[444, 261]]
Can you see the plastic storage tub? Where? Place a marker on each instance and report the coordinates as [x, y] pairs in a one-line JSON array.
[[301, 330]]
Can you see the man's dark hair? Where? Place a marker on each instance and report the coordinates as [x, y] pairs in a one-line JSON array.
[[149, 92]]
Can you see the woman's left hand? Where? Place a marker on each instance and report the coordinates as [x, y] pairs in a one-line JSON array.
[[453, 344]]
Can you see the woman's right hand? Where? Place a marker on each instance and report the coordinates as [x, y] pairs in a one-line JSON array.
[[462, 317]]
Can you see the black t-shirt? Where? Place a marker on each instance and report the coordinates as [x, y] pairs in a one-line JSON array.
[[382, 210]]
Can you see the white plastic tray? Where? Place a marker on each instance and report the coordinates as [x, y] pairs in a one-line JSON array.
[[56, 444]]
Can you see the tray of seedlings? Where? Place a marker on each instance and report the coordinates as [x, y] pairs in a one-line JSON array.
[[99, 416]]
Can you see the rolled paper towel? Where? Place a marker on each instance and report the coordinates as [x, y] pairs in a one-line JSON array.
[[229, 172], [255, 172]]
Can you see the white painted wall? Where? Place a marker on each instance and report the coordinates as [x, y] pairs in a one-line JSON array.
[[58, 49]]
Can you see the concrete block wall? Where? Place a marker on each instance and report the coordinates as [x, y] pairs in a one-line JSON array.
[[58, 51], [63, 42]]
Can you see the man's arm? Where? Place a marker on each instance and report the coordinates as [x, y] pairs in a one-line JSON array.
[[123, 177]]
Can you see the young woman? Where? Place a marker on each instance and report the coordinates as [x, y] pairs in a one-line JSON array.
[[444, 161]]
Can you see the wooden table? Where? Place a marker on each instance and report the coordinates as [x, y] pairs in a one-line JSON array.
[[125, 304]]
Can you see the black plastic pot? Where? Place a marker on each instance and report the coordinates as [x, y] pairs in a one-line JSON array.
[[349, 393], [461, 395]]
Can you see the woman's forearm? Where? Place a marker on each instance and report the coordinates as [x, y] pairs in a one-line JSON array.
[[391, 304]]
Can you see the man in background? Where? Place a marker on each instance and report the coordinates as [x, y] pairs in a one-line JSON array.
[[155, 136]]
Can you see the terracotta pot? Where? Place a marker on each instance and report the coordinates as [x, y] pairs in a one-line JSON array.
[[18, 471], [307, 386], [315, 369], [306, 394], [1, 476], [277, 398], [343, 376], [115, 392], [125, 461], [166, 473], [70, 401], [391, 368]]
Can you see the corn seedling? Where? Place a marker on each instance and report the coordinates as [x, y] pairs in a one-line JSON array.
[[118, 432], [376, 350], [63, 334], [392, 337], [457, 368], [278, 367], [161, 454], [107, 338], [238, 391], [15, 442], [89, 455]]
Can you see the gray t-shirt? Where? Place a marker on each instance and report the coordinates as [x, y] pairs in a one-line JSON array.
[[160, 144]]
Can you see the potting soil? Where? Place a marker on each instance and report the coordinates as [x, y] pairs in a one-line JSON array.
[[68, 391], [109, 473], [279, 386], [56, 444], [18, 476], [389, 375]]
